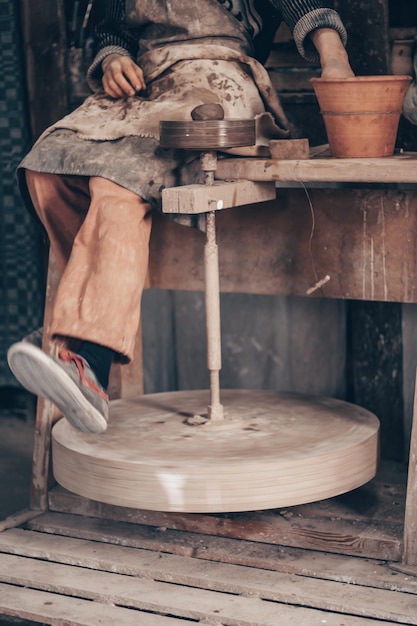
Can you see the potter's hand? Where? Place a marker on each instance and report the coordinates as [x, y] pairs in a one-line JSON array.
[[336, 68], [333, 56], [121, 76]]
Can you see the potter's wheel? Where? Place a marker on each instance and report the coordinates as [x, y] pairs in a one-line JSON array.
[[202, 451], [271, 450]]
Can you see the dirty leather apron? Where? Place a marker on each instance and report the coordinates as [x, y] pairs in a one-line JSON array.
[[191, 54]]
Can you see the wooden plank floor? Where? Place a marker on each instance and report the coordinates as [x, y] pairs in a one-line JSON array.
[[73, 569]]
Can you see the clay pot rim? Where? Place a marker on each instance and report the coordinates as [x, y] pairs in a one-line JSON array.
[[363, 79]]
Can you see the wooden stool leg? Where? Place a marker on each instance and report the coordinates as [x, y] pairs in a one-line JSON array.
[[41, 455], [410, 521], [46, 412], [126, 382]]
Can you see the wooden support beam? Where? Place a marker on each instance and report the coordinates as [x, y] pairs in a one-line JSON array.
[[289, 149], [364, 239], [396, 169], [193, 199]]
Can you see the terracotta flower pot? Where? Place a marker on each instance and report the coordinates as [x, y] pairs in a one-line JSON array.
[[361, 114]]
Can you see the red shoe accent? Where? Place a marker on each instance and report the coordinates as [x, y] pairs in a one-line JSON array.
[[70, 357]]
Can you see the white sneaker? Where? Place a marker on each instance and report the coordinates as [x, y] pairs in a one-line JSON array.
[[67, 381]]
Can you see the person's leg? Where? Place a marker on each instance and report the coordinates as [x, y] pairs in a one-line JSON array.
[[98, 298], [61, 203], [99, 295], [104, 230]]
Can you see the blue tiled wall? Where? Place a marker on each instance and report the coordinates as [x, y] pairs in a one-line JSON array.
[[21, 298]]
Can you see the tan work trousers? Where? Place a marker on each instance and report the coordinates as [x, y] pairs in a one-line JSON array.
[[99, 233]]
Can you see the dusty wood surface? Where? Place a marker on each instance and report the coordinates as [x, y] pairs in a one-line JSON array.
[[50, 608], [201, 602], [105, 568], [396, 169], [363, 239], [289, 149], [270, 450], [228, 578], [367, 522], [194, 199], [301, 527], [314, 564], [18, 518]]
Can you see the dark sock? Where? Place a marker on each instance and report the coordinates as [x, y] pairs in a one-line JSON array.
[[99, 358]]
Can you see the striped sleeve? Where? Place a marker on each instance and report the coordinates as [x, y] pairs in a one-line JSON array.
[[110, 29], [304, 16], [111, 38]]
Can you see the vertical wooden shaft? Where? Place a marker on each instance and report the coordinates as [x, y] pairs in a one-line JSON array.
[[212, 294], [208, 162], [46, 412]]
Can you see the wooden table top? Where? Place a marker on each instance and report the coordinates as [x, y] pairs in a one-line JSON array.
[[400, 168]]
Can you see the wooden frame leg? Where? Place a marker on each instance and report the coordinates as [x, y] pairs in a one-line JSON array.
[[45, 413], [126, 381], [41, 455], [410, 520]]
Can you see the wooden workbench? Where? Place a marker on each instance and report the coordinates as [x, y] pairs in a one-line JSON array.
[[361, 234], [354, 558], [400, 168]]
